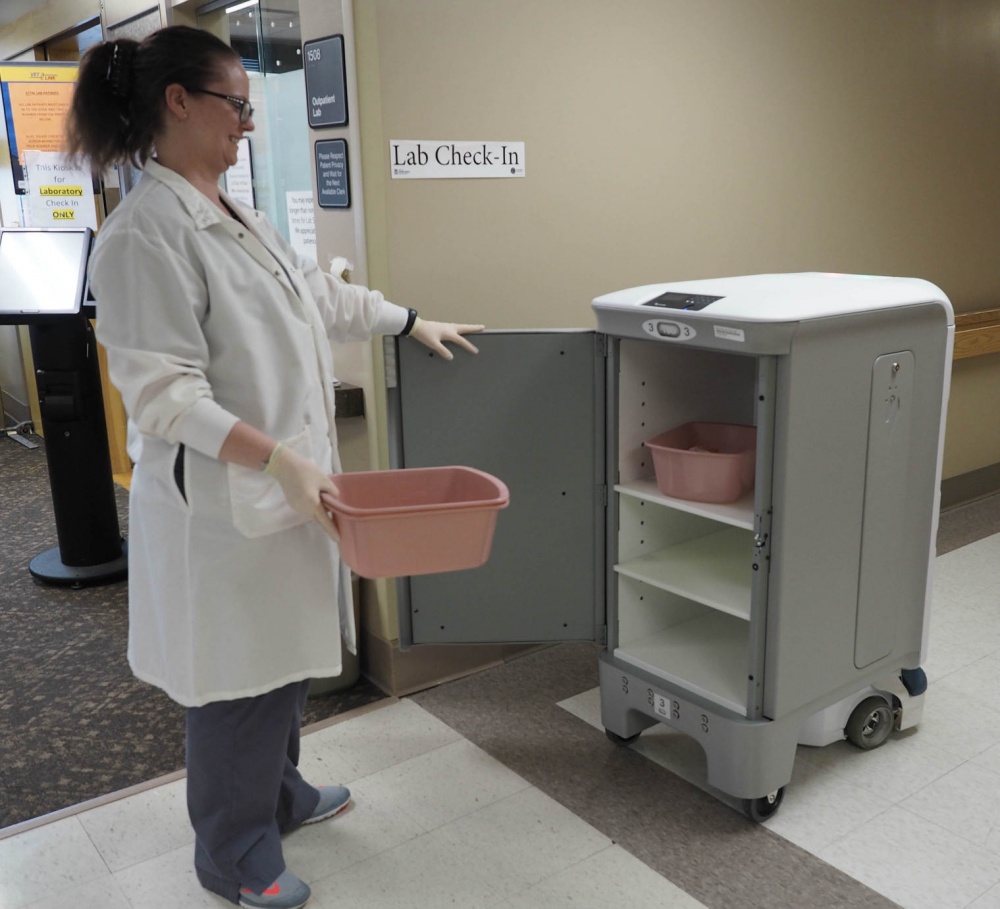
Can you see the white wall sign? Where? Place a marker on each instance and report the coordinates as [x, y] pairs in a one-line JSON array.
[[301, 223], [59, 194], [425, 159], [239, 177]]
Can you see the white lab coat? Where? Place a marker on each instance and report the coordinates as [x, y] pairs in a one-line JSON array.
[[206, 322]]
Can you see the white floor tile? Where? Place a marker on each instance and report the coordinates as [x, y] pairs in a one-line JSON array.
[[990, 759], [521, 840], [902, 766], [380, 738], [46, 861], [371, 825], [821, 807], [971, 568], [443, 785], [959, 636], [422, 873], [989, 900], [104, 893], [955, 723], [965, 802], [140, 827], [979, 682], [322, 765], [585, 706], [610, 878], [166, 882], [914, 862]]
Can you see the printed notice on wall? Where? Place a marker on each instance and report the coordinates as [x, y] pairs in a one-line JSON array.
[[239, 177], [425, 159], [59, 194], [332, 174], [35, 98], [301, 223]]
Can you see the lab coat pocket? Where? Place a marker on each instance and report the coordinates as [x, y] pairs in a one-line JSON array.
[[259, 506]]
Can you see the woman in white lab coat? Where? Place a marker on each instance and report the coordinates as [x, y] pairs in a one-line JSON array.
[[217, 335]]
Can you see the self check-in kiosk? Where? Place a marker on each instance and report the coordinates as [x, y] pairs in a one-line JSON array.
[[43, 284]]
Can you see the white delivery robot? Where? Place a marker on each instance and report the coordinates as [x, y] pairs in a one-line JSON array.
[[799, 612]]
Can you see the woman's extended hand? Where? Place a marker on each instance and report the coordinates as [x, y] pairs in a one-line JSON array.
[[303, 484], [434, 334]]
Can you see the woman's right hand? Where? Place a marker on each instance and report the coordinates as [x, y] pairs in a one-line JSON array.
[[303, 484]]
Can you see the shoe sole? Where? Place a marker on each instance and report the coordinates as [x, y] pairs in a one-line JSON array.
[[328, 815], [258, 906]]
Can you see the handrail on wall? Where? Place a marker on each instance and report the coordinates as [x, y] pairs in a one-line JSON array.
[[977, 333]]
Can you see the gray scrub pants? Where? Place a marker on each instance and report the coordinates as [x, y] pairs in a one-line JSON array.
[[244, 790]]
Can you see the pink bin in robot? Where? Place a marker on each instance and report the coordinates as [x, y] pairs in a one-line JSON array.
[[705, 462], [420, 520]]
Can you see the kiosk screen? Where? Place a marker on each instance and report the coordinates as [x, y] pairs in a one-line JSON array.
[[43, 273]]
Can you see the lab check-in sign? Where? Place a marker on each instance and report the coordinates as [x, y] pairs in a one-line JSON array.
[[424, 159]]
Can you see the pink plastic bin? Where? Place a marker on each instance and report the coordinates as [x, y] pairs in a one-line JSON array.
[[721, 472], [417, 521]]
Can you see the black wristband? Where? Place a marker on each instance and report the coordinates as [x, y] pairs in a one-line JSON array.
[[411, 317]]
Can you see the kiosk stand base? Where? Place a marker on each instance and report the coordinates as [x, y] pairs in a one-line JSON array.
[[91, 550], [15, 436], [21, 440], [48, 568]]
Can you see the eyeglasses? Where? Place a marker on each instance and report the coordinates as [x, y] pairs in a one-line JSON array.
[[241, 104]]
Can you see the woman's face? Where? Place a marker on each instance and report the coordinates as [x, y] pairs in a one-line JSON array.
[[216, 125]]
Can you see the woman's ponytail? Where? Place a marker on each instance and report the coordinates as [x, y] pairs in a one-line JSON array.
[[99, 126]]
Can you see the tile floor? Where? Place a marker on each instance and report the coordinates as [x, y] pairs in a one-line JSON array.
[[917, 820], [437, 822]]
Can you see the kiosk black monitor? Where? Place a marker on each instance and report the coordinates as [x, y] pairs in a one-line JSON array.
[[43, 272]]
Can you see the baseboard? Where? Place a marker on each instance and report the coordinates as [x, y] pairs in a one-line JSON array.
[[967, 487], [400, 672]]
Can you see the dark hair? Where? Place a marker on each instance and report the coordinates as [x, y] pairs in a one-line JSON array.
[[118, 104]]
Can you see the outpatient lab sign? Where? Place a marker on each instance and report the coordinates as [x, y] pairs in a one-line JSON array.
[[425, 159]]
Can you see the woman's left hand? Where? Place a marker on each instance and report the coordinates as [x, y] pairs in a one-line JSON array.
[[434, 334]]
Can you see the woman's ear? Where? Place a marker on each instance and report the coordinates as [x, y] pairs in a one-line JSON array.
[[176, 97]]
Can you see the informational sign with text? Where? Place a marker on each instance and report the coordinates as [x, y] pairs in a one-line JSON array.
[[301, 223], [59, 194], [426, 159], [239, 177], [332, 174]]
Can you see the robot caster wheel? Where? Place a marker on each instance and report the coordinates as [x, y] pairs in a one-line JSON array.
[[621, 739], [761, 809]]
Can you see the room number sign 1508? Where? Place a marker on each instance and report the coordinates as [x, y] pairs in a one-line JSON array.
[[326, 81]]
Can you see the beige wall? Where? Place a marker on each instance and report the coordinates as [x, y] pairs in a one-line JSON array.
[[674, 139]]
